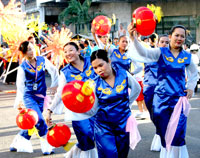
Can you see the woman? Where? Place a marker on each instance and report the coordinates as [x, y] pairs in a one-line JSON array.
[[110, 125], [31, 91], [170, 92], [78, 68], [150, 81], [121, 59], [102, 42]]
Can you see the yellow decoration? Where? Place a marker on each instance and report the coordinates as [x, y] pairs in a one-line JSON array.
[[66, 93], [139, 22], [119, 88], [113, 20], [182, 60], [34, 131], [51, 132], [169, 59], [40, 66], [88, 87], [124, 57], [69, 145], [91, 99], [117, 55], [88, 72], [20, 118], [34, 25], [55, 43], [31, 70], [157, 11], [78, 77], [105, 91], [80, 98], [77, 86]]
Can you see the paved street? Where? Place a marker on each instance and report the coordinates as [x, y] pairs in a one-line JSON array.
[[8, 129]]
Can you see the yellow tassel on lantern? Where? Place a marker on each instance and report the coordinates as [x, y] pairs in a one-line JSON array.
[[34, 131], [88, 87], [69, 145]]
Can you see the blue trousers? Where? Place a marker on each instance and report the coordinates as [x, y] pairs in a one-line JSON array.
[[35, 103], [112, 140], [148, 92], [84, 131], [163, 107]]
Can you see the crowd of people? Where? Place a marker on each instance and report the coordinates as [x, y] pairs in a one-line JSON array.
[[155, 71]]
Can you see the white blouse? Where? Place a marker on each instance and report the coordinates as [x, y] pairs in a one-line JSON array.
[[20, 82]]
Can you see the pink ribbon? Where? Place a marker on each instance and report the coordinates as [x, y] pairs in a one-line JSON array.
[[47, 100], [174, 119], [131, 127]]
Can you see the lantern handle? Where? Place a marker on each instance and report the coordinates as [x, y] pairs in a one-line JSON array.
[[51, 127]]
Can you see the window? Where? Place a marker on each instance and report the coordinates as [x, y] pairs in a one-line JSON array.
[[168, 21]]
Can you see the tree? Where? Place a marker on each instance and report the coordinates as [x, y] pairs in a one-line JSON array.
[[77, 13]]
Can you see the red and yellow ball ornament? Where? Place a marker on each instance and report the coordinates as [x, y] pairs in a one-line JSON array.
[[78, 96], [27, 119], [58, 135], [144, 20], [102, 25]]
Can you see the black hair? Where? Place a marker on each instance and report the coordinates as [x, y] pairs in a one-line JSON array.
[[175, 27], [23, 47], [162, 35], [152, 37], [72, 44], [81, 45], [120, 37], [86, 42], [100, 54]]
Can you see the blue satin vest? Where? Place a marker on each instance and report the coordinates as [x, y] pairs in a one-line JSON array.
[[71, 73], [30, 75], [171, 72], [150, 73], [113, 102], [119, 60]]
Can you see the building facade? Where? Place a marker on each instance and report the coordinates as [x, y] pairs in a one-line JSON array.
[[183, 12]]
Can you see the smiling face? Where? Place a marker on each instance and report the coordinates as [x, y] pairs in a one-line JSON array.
[[101, 67], [71, 53], [177, 38]]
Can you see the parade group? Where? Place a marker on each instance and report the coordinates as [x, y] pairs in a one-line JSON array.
[[155, 71]]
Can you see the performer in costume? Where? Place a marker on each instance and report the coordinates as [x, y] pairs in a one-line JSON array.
[[31, 92], [102, 42], [78, 68], [171, 92], [114, 113], [150, 82], [120, 58]]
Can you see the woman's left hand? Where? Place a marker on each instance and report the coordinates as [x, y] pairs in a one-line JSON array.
[[189, 93]]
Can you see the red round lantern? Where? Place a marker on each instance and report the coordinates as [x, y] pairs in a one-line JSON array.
[[27, 119], [102, 25], [144, 20], [58, 135], [78, 97]]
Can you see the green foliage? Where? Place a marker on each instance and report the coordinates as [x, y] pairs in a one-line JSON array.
[[77, 13]]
